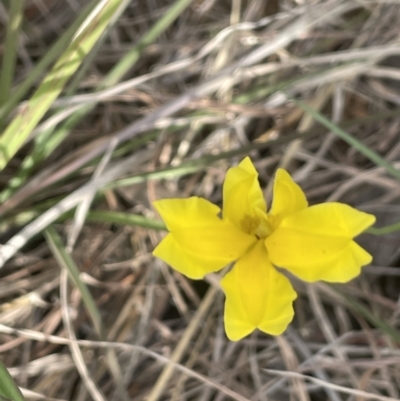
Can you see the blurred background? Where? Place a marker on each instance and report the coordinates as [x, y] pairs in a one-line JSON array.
[[108, 105]]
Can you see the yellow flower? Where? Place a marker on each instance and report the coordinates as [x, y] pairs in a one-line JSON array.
[[314, 243]]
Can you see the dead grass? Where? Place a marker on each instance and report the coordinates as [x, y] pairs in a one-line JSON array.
[[210, 89]]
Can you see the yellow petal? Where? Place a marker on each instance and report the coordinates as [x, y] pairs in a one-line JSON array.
[[191, 266], [288, 197], [317, 243], [176, 212], [332, 218], [257, 296], [199, 241], [242, 193]]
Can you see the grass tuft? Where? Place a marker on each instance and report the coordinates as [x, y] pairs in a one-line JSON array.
[[107, 106]]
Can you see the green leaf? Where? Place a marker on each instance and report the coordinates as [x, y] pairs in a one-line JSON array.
[[8, 388]]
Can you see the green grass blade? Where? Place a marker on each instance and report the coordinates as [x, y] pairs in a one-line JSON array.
[[392, 228], [66, 262], [27, 118], [48, 140], [113, 77], [374, 320], [11, 46], [40, 67], [8, 388], [356, 144], [125, 219], [45, 143], [158, 28], [169, 172]]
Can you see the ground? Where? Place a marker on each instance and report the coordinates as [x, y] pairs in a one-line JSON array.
[[104, 110]]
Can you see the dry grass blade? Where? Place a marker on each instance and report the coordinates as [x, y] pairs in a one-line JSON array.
[[182, 346], [164, 98], [26, 119], [83, 208], [319, 382], [76, 353], [145, 351], [67, 264], [69, 202]]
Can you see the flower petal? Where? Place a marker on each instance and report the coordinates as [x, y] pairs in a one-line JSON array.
[[176, 256], [288, 197], [194, 211], [257, 296], [199, 241], [317, 243], [242, 193]]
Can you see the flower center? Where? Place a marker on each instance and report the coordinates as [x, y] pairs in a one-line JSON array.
[[258, 226]]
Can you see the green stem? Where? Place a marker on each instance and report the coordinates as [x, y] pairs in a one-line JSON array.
[[384, 230]]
